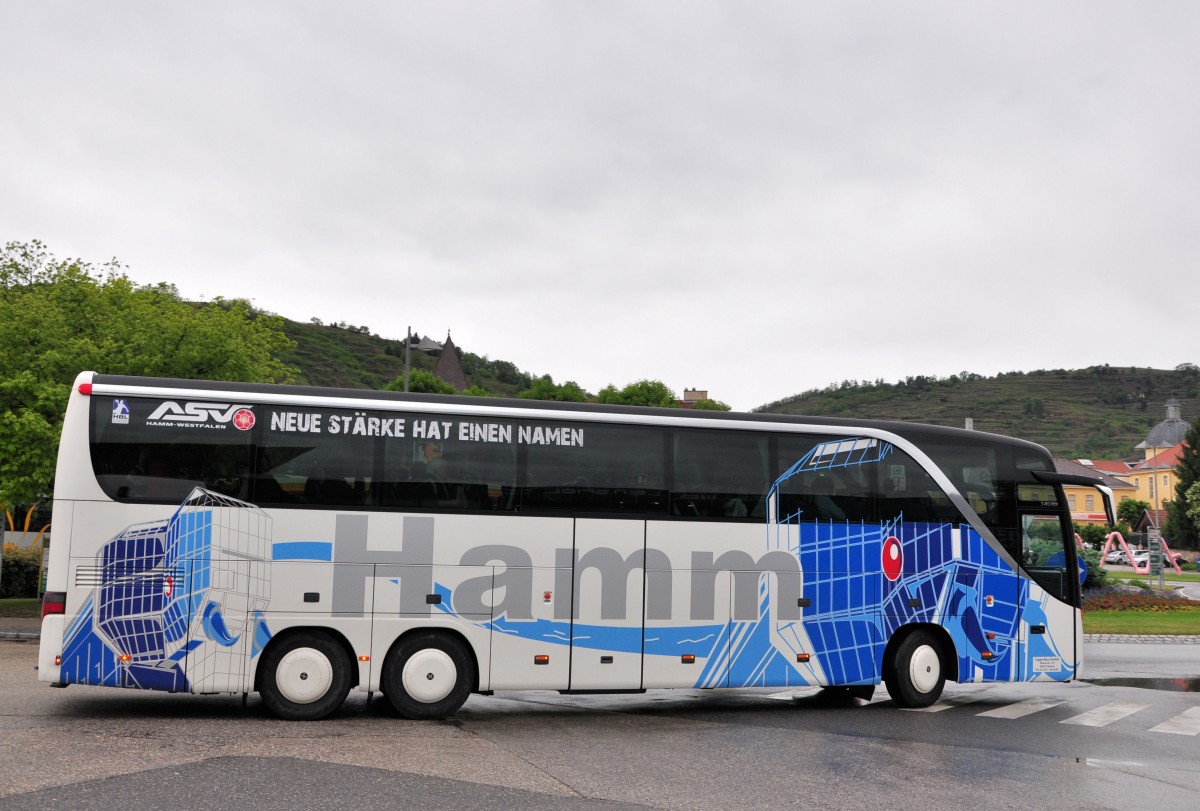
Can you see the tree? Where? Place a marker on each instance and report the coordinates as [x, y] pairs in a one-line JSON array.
[[1181, 529], [421, 380], [1130, 510], [711, 405], [544, 388], [641, 393], [1193, 503], [61, 317]]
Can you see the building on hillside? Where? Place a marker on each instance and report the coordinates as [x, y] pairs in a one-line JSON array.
[[428, 346], [449, 366], [1085, 502], [1154, 476], [691, 397]]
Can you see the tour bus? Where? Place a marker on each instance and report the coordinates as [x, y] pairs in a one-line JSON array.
[[301, 542]]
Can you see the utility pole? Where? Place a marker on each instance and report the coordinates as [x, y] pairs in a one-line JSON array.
[[407, 350]]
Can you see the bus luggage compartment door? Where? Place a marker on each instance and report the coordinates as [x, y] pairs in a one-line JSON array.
[[606, 604]]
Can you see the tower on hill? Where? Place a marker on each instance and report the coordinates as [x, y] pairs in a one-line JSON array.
[[449, 366]]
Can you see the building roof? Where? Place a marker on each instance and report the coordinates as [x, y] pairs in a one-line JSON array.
[[427, 344], [1114, 466], [1167, 458], [1150, 518], [1170, 431], [1106, 479], [448, 367]]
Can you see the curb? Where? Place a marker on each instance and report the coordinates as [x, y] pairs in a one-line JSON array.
[[1172, 639], [20, 636]]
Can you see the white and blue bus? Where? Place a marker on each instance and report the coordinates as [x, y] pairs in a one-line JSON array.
[[302, 542]]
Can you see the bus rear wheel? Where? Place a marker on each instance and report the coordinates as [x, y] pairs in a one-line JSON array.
[[914, 676], [428, 676], [305, 677]]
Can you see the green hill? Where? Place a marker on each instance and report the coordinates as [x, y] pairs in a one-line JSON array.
[[1101, 412], [351, 357]]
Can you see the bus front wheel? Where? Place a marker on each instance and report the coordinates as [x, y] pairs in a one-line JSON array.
[[428, 676], [305, 676], [914, 676]]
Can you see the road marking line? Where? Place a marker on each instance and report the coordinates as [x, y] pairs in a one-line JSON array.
[[1186, 723], [1103, 716], [1022, 708], [947, 702]]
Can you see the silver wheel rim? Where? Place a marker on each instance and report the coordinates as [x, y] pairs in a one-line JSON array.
[[304, 675], [924, 669], [429, 675]]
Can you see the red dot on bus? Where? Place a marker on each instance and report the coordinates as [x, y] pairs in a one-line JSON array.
[[893, 558]]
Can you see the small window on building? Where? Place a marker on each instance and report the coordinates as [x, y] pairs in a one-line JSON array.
[[1089, 502], [1071, 500]]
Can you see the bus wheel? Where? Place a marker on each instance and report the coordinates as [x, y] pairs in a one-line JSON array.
[[914, 676], [428, 676], [305, 677]]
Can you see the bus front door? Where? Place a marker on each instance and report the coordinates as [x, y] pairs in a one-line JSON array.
[[1048, 633]]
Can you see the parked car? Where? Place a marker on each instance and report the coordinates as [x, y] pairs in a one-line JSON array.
[[1141, 558], [1116, 556]]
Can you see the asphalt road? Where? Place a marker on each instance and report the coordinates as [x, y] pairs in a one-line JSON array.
[[988, 746]]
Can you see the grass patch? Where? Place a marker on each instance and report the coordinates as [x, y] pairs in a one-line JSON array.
[[1141, 622], [20, 607], [1169, 576]]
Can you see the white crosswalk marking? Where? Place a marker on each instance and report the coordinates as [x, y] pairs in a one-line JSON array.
[[1103, 716], [1022, 708], [947, 702], [1186, 723]]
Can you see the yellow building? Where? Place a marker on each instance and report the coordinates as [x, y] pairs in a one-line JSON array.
[[1085, 502], [1151, 480], [1154, 477]]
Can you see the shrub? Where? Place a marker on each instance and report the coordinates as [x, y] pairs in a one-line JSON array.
[[19, 577], [1114, 599], [1096, 577]]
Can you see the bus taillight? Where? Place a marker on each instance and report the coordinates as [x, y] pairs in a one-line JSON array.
[[85, 389], [54, 602]]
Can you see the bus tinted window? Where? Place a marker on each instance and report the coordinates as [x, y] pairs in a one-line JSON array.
[[719, 474], [320, 457], [464, 468], [856, 479], [159, 450], [611, 468]]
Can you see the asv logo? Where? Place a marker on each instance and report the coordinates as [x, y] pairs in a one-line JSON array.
[[204, 413]]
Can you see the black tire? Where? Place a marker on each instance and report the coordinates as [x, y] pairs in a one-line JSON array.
[[914, 675], [428, 676], [304, 677]]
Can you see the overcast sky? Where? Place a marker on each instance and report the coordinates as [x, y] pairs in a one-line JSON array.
[[753, 198]]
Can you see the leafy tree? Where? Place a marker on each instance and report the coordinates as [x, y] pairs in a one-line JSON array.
[[422, 380], [1130, 510], [1181, 529], [711, 405], [1193, 503], [641, 393], [544, 388], [1093, 534], [477, 391], [60, 317]]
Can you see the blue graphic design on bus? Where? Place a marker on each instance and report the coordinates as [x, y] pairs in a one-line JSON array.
[[155, 609]]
